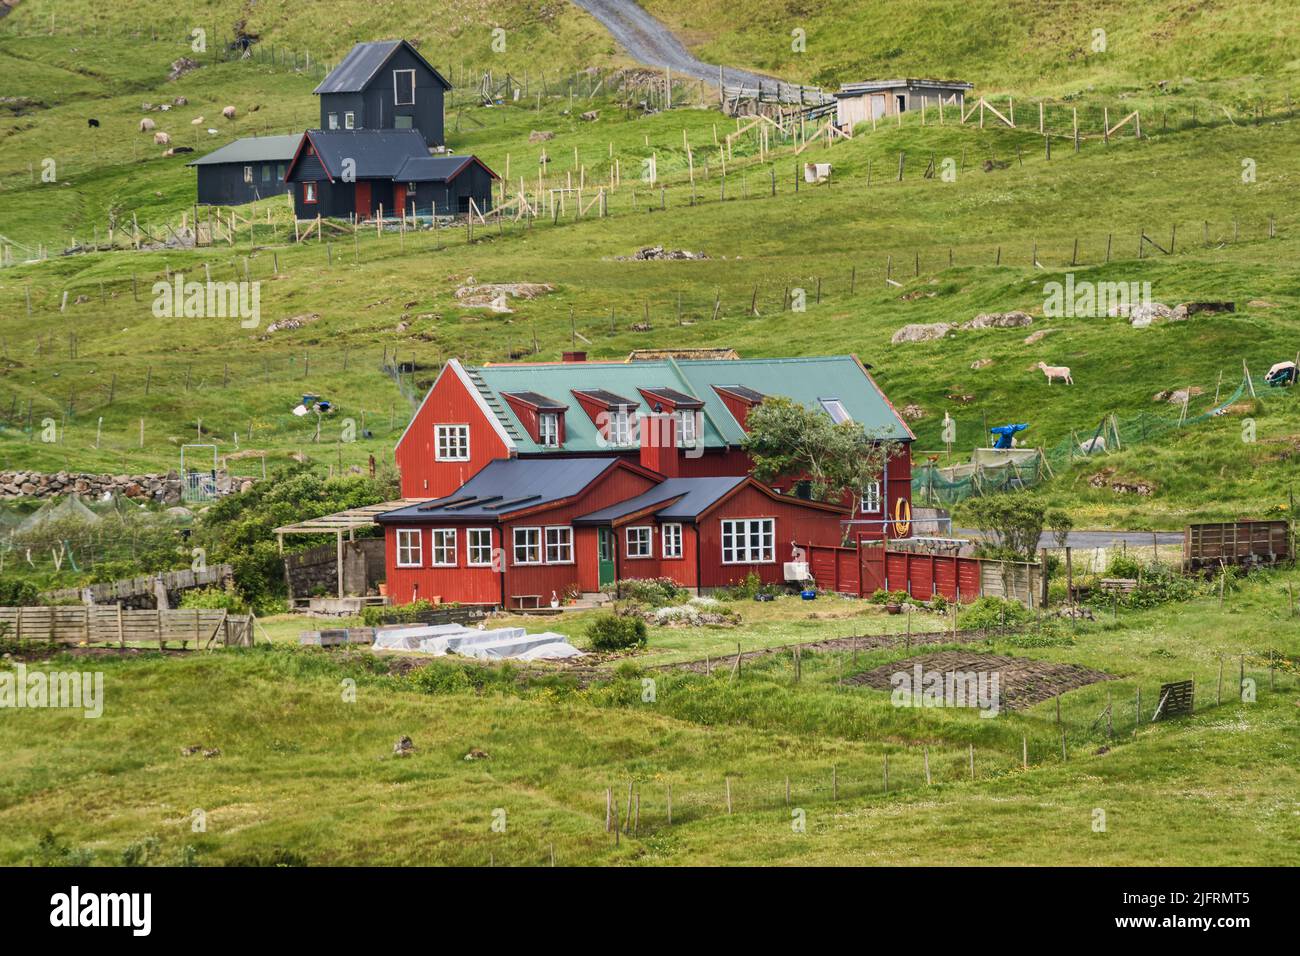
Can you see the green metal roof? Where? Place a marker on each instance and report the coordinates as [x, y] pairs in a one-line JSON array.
[[806, 380], [253, 149]]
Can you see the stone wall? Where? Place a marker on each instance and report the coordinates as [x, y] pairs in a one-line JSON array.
[[33, 484]]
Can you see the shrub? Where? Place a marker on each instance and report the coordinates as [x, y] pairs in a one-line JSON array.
[[990, 612], [213, 598], [1015, 521], [616, 632], [748, 589], [18, 593], [655, 592], [881, 596], [1124, 566]]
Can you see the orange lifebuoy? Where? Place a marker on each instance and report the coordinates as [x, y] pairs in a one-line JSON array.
[[902, 517]]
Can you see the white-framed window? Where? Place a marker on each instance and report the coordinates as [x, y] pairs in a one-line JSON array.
[[248, 174], [451, 442], [403, 87], [334, 121], [749, 541], [410, 548], [619, 427], [443, 548], [309, 192], [836, 410], [349, 121], [528, 545], [548, 429], [559, 545], [672, 543], [478, 547], [640, 542], [871, 497], [686, 428]]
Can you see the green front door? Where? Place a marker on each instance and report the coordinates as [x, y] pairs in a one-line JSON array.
[[605, 555]]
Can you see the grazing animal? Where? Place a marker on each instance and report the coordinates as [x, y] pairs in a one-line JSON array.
[[197, 121], [228, 112], [146, 124], [1056, 371], [93, 123], [1093, 444], [161, 139]]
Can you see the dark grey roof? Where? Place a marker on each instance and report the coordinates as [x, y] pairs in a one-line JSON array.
[[535, 398], [745, 392], [695, 496], [507, 485], [361, 64], [606, 397], [871, 86], [253, 149], [436, 169], [680, 399], [379, 153]]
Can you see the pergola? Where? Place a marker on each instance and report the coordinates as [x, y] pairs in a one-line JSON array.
[[339, 523]]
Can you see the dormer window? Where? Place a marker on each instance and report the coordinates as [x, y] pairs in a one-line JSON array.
[[686, 430], [619, 426], [611, 414], [540, 415], [548, 430]]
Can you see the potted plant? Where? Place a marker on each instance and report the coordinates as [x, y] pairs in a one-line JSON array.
[[383, 588]]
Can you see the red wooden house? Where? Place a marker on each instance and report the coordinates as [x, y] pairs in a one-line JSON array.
[[543, 478]]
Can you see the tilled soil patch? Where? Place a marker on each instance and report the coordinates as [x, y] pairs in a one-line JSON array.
[[1022, 681]]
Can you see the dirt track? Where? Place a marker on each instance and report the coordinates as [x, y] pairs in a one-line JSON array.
[[652, 43]]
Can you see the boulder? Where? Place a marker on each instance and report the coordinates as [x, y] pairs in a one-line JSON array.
[[917, 332], [999, 320]]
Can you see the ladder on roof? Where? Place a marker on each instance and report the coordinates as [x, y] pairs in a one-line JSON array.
[[494, 404]]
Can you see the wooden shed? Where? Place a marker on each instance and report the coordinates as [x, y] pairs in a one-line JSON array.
[[244, 171], [861, 102]]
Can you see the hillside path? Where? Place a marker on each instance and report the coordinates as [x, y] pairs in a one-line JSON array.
[[652, 43]]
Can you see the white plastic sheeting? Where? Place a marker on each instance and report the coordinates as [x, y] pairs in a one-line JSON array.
[[499, 644]]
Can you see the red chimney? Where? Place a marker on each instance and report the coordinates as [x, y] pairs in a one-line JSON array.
[[659, 443], [575, 356]]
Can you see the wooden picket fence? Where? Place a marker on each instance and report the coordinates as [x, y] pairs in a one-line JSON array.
[[111, 625]]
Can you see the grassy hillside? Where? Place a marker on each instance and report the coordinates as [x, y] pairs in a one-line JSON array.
[[953, 248], [304, 775], [1046, 49]]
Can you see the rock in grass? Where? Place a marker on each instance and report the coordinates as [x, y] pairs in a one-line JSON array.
[[403, 747]]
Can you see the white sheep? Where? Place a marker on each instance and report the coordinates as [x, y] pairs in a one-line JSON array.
[[146, 125], [1056, 371], [1093, 444], [197, 121], [228, 112], [161, 139]]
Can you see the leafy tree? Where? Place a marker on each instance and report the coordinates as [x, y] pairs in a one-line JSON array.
[[787, 439], [1061, 524], [1015, 521], [240, 529]]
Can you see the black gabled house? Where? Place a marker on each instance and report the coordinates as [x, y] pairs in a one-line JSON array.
[[342, 173], [384, 85]]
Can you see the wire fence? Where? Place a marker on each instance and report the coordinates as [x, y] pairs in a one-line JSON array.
[[936, 485]]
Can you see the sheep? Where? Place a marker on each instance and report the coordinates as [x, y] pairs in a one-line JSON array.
[[1056, 371], [93, 123], [161, 139], [1093, 444], [228, 112], [146, 125], [197, 121]]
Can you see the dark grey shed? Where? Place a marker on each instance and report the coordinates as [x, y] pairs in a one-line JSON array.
[[244, 171], [445, 184]]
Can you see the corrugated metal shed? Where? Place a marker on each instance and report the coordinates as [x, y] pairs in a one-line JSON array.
[[253, 149], [363, 61]]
